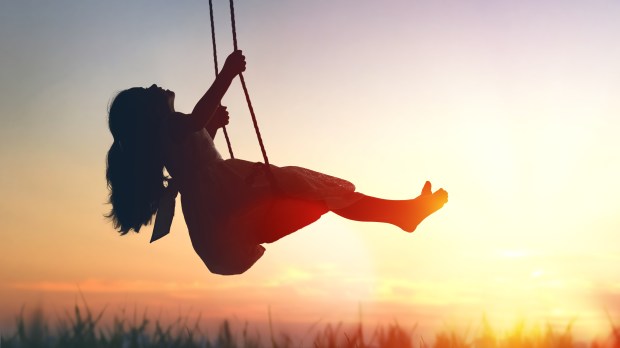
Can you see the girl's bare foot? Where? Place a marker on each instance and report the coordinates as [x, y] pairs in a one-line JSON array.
[[424, 205]]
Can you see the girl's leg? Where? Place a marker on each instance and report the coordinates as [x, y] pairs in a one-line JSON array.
[[406, 214], [282, 216]]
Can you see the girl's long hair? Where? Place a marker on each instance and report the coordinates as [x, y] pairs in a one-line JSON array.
[[135, 164]]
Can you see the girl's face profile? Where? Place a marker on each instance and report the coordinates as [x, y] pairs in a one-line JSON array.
[[165, 95]]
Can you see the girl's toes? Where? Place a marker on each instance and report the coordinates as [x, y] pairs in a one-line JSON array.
[[441, 195], [426, 190]]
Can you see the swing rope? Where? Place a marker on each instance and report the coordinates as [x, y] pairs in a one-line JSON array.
[[217, 70], [267, 168], [247, 95]]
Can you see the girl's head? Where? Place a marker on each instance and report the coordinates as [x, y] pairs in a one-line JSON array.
[[134, 164], [138, 107]]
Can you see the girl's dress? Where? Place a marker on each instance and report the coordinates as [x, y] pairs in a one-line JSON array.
[[226, 202]]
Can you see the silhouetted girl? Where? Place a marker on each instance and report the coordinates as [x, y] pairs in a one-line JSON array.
[[229, 206]]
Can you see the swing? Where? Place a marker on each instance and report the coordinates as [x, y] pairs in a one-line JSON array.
[[287, 222]]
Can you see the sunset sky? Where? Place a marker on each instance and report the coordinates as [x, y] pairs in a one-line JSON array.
[[511, 106]]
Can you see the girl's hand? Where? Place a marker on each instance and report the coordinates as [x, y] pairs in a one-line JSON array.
[[234, 65], [219, 119]]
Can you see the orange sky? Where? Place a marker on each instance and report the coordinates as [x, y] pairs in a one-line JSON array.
[[512, 108]]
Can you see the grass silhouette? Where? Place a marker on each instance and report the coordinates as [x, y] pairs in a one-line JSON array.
[[82, 328]]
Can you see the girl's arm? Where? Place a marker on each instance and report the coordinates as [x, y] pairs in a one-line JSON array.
[[210, 101]]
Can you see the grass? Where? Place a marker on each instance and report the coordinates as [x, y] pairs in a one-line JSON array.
[[82, 328]]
